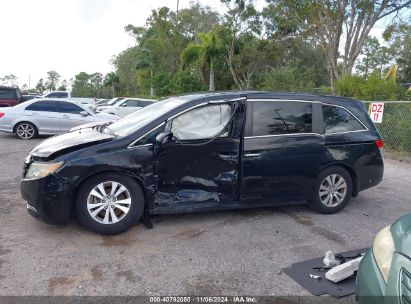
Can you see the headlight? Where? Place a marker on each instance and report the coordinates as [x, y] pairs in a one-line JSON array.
[[383, 248], [39, 170]]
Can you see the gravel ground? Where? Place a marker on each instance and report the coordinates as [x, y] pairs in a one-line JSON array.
[[219, 253]]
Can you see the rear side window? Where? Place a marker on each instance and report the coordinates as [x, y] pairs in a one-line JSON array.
[[8, 94], [44, 106], [67, 107], [281, 117], [337, 120]]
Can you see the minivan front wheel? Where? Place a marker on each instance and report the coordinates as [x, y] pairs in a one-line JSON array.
[[109, 203], [332, 190]]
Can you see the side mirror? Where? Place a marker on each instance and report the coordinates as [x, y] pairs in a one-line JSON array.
[[124, 105], [164, 137], [83, 113]]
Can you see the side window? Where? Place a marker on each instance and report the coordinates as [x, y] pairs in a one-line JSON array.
[[144, 103], [201, 123], [150, 137], [52, 95], [338, 120], [44, 106], [8, 94], [281, 117], [67, 107], [130, 103]]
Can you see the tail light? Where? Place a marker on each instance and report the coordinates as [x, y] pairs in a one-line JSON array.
[[1, 115], [379, 143]]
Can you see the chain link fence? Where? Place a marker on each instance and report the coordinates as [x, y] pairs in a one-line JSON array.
[[396, 126]]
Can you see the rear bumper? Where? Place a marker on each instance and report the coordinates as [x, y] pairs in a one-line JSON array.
[[370, 170], [6, 129], [48, 198]]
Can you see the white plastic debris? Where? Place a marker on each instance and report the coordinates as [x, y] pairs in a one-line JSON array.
[[316, 277], [343, 271], [329, 259]]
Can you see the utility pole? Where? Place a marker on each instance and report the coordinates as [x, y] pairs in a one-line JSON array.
[[177, 5], [29, 82]]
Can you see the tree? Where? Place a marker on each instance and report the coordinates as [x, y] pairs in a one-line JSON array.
[[399, 38], [9, 80], [196, 19], [246, 54], [52, 80], [374, 57], [204, 54], [145, 61], [331, 21], [63, 86], [126, 64], [357, 17], [111, 80], [40, 87]]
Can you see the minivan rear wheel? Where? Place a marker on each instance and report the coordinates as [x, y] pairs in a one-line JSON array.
[[332, 190], [109, 203], [25, 130]]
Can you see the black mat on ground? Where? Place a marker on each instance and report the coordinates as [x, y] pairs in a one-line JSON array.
[[300, 272]]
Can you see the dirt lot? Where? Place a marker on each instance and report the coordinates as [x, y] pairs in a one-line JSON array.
[[230, 253]]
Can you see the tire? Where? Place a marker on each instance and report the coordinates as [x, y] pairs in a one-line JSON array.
[[104, 214], [335, 184], [25, 130]]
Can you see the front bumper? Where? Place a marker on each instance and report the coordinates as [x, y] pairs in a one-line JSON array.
[[370, 283], [48, 198], [371, 287]]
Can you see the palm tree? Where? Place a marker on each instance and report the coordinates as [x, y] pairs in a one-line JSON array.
[[144, 61], [202, 53]]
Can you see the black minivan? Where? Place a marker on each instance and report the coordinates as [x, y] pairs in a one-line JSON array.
[[206, 152]]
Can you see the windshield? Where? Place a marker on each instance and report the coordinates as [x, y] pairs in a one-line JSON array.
[[140, 118], [113, 100]]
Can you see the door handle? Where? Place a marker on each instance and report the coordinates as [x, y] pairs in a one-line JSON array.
[[66, 116], [252, 155], [228, 156]]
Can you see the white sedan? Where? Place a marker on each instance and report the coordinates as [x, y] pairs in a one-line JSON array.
[[46, 116], [126, 106]]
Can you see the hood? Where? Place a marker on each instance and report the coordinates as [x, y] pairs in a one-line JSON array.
[[91, 125], [60, 144], [401, 233]]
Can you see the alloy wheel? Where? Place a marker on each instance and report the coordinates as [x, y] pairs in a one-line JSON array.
[[25, 131], [108, 202], [333, 190]]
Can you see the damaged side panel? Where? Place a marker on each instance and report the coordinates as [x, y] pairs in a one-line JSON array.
[[198, 174]]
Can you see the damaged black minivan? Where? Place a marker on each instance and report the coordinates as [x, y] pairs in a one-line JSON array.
[[206, 152]]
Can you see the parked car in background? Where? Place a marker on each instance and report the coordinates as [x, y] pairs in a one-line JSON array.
[[105, 102], [126, 106], [384, 275], [205, 152], [47, 117], [67, 95], [58, 94], [98, 104], [27, 97], [9, 96]]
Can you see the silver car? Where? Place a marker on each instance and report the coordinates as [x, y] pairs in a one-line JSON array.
[[48, 117]]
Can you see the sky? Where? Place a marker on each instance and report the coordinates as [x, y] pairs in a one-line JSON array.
[[72, 36]]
